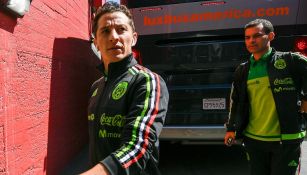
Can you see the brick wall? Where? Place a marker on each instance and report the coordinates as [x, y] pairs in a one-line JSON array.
[[46, 69]]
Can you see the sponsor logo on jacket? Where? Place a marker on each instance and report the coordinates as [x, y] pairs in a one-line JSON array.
[[117, 120], [284, 81], [105, 134], [281, 89]]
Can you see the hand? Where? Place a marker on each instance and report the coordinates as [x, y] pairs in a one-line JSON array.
[[303, 109], [303, 114], [229, 138], [99, 169]]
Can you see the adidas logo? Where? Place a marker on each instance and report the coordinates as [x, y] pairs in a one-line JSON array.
[[292, 163], [95, 93]]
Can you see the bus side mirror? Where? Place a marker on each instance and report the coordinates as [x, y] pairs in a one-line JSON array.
[[17, 7]]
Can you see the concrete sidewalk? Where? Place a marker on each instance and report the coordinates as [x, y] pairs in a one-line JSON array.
[[80, 163]]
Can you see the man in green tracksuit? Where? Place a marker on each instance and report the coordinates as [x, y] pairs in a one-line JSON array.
[[128, 105], [269, 104]]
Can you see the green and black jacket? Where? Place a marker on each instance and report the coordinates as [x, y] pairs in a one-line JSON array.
[[126, 112], [282, 67]]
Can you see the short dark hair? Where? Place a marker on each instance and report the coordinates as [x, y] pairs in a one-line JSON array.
[[267, 25], [110, 7]]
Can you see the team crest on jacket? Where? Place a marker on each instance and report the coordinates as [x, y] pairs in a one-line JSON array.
[[120, 90], [280, 64]]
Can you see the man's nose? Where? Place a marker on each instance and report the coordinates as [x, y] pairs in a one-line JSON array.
[[251, 40], [114, 35]]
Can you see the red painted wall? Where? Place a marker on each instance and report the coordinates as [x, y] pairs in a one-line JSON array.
[[46, 70]]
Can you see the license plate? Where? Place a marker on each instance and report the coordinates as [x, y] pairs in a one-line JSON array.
[[214, 103]]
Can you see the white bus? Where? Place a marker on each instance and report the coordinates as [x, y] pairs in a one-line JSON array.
[[196, 45]]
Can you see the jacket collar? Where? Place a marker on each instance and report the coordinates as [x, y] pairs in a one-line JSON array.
[[117, 68], [263, 58]]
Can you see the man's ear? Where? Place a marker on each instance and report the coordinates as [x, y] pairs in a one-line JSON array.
[[271, 36], [134, 39]]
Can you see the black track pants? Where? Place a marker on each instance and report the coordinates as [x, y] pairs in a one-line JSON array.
[[272, 158]]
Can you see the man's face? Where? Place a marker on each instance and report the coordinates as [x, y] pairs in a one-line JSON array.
[[114, 37], [256, 40]]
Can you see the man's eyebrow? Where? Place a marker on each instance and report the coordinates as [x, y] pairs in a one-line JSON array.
[[256, 34], [121, 24], [103, 27]]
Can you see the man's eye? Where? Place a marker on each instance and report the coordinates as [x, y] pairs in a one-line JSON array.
[[105, 31], [122, 29], [258, 35]]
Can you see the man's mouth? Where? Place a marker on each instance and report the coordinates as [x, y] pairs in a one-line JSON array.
[[252, 46], [115, 48]]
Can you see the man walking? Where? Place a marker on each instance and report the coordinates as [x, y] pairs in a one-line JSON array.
[[269, 104]]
